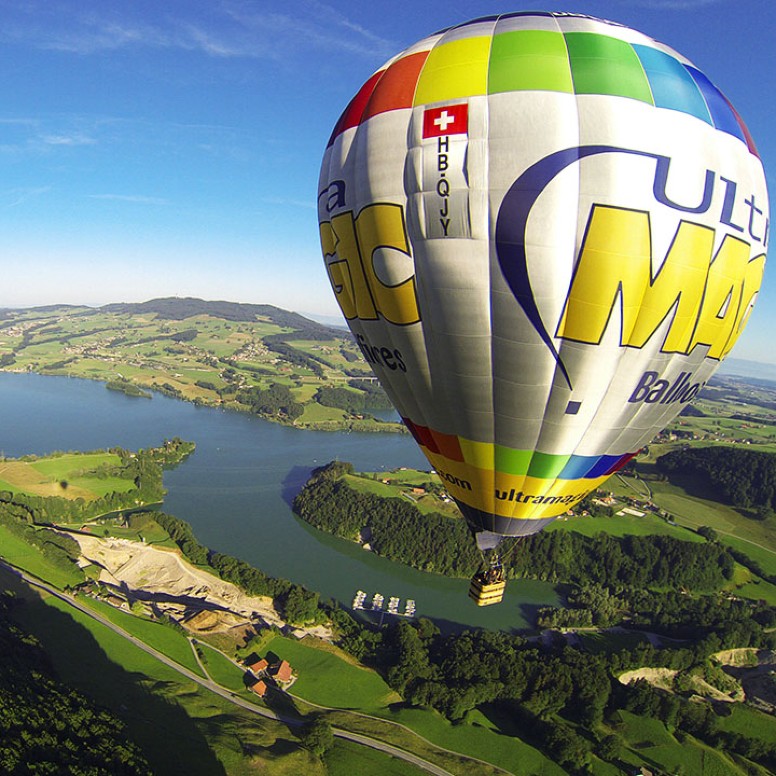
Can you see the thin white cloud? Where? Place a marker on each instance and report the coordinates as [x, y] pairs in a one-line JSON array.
[[67, 140], [138, 199], [316, 24], [15, 197], [286, 202], [228, 29], [376, 42]]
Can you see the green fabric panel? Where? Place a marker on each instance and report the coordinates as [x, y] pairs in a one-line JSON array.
[[546, 466], [604, 65], [512, 461], [529, 59]]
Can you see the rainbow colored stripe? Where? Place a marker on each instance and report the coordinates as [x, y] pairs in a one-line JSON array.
[[468, 61], [529, 463]]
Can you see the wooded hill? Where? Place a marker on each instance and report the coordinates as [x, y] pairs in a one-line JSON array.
[[180, 308]]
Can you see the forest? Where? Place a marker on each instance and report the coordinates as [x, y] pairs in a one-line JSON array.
[[275, 401], [563, 700], [435, 542], [48, 727], [743, 478]]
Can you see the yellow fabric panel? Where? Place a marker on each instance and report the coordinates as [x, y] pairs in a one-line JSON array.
[[454, 70]]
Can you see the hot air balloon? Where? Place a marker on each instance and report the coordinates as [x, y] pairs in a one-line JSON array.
[[545, 231]]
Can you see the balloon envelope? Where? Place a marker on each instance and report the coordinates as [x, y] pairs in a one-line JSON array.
[[545, 232]]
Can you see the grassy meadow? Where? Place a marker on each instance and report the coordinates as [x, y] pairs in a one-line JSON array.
[[158, 705], [32, 560], [70, 475], [325, 678], [164, 638]]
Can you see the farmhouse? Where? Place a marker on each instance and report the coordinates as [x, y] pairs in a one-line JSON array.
[[258, 666], [260, 688], [282, 672]]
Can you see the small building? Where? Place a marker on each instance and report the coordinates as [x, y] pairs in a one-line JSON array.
[[282, 672], [116, 601], [260, 688], [258, 666], [418, 491]]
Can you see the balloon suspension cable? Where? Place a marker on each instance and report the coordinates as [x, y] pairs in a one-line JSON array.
[[511, 553]]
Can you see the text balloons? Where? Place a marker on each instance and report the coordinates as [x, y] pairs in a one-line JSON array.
[[545, 231]]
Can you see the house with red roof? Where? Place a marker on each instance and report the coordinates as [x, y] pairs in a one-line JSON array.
[[258, 666], [260, 688], [281, 672]]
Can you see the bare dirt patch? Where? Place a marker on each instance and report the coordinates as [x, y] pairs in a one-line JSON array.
[[662, 678], [170, 584], [755, 669]]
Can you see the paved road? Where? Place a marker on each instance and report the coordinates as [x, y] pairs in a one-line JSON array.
[[216, 688]]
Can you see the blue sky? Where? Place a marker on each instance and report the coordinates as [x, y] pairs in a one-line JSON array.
[[172, 147]]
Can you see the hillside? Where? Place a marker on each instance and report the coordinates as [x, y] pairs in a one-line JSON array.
[[256, 358]]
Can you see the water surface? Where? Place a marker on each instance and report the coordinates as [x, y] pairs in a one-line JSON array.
[[236, 489]]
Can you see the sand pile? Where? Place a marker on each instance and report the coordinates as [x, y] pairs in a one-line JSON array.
[[152, 573]]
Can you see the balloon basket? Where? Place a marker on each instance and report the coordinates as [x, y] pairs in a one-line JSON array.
[[487, 587]]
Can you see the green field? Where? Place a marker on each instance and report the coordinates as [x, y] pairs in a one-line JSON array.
[[749, 722], [68, 476], [477, 737], [349, 759], [181, 727], [325, 678], [694, 511], [400, 484], [652, 745], [164, 638], [28, 557], [316, 413], [624, 525], [221, 670], [610, 641]]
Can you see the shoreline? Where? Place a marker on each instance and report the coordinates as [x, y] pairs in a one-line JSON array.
[[370, 424]]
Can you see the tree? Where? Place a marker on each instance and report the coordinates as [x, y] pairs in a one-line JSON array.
[[566, 747], [317, 736], [300, 605], [410, 657], [610, 748]]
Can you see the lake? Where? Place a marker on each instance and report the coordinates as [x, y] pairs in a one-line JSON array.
[[236, 489]]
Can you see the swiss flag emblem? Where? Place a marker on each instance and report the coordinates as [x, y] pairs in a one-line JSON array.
[[450, 120]]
